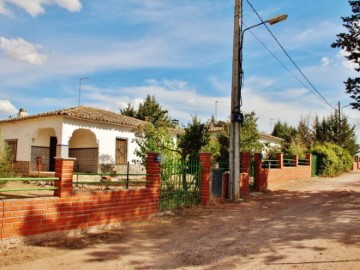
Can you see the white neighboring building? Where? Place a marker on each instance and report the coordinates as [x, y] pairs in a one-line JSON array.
[[84, 133]]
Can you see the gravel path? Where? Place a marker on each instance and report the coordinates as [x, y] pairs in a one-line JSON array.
[[302, 225]]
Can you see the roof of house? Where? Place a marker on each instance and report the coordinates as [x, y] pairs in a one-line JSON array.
[[86, 113]]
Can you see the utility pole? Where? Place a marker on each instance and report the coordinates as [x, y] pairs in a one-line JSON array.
[[339, 124], [234, 149]]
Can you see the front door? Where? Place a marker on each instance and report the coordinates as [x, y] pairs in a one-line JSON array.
[[53, 143]]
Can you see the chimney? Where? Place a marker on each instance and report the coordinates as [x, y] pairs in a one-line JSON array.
[[22, 113]]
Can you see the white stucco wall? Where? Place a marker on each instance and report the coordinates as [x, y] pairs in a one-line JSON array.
[[106, 135], [36, 132], [26, 132]]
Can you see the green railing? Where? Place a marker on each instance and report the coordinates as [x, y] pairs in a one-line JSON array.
[[125, 180], [27, 179], [304, 162], [180, 184], [289, 162], [270, 164]]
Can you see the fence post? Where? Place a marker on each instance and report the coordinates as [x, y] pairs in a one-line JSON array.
[[245, 174], [296, 158], [64, 169], [309, 158], [153, 172], [280, 158], [205, 163], [257, 173]]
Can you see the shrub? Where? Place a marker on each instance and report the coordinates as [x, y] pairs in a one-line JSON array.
[[333, 160], [5, 161]]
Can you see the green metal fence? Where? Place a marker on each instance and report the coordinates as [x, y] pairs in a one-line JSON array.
[[27, 179], [314, 166], [180, 184]]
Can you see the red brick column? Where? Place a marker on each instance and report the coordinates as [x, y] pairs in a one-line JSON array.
[[245, 174], [153, 172], [64, 169], [205, 163], [296, 158], [258, 169], [280, 158], [309, 158]]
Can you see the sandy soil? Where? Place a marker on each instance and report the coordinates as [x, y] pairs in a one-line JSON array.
[[309, 225]]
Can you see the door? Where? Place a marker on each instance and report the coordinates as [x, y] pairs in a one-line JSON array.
[[121, 151], [53, 143]]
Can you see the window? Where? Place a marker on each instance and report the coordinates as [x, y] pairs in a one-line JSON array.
[[121, 151], [12, 144]]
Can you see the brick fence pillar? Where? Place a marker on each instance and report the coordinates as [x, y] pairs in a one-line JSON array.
[[260, 175], [153, 172], [64, 170], [280, 159], [245, 174], [309, 158], [296, 158], [205, 163]]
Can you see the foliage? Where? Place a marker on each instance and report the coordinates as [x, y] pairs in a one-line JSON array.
[[128, 111], [249, 135], [286, 132], [349, 42], [333, 160], [151, 111], [153, 139], [341, 133], [5, 161], [249, 138], [196, 136], [213, 146]]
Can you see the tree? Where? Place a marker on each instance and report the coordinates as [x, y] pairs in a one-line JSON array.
[[249, 138], [286, 132], [151, 111], [350, 42], [128, 111], [249, 134], [153, 139], [5, 161], [196, 136]]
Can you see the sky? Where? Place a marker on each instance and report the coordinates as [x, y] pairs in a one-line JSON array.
[[180, 51]]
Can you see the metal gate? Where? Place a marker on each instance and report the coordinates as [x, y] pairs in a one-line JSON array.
[[180, 184], [314, 166]]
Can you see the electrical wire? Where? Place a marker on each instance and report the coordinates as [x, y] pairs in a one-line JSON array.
[[290, 58]]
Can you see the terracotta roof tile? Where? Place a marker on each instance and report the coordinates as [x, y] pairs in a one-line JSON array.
[[87, 113]]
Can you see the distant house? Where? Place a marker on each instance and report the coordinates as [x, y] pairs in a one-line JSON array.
[[85, 133]]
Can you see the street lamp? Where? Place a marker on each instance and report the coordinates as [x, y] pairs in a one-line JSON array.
[[236, 115], [80, 80]]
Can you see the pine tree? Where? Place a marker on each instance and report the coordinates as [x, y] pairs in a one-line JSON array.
[[350, 42]]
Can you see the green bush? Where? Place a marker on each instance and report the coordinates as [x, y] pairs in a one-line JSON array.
[[333, 160], [5, 161]]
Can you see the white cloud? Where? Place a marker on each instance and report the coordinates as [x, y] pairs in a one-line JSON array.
[[296, 92], [35, 7], [21, 50], [6, 107], [350, 65], [325, 61]]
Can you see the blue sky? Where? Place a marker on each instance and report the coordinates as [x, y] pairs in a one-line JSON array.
[[179, 51]]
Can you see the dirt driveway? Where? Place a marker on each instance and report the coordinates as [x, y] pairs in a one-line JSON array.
[[312, 225]]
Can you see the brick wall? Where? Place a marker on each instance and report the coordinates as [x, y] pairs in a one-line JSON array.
[[268, 178], [68, 211]]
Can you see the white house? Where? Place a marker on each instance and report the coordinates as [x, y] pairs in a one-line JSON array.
[[84, 133]]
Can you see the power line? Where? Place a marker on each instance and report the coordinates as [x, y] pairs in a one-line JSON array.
[[282, 64], [290, 58]]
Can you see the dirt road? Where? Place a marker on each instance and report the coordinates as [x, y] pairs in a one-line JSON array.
[[310, 225]]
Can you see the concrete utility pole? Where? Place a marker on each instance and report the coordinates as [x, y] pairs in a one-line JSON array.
[[234, 149]]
